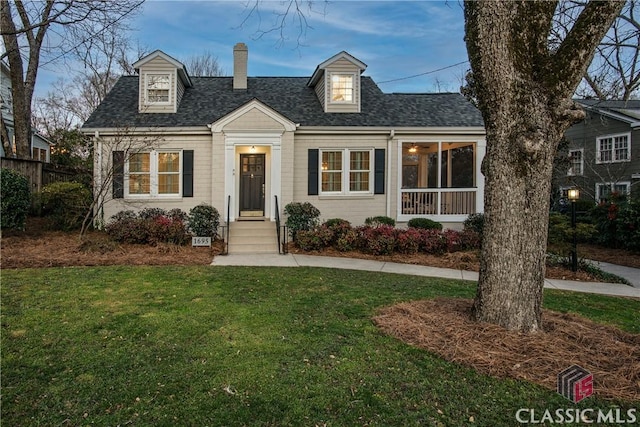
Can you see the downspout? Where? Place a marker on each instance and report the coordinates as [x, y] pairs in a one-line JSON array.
[[392, 135], [98, 179]]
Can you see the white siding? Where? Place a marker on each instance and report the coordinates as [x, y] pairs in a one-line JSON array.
[[353, 208], [254, 120], [202, 173]]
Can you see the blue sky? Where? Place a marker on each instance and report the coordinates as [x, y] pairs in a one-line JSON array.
[[395, 39]]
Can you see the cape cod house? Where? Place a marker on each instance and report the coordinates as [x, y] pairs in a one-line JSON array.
[[240, 143]]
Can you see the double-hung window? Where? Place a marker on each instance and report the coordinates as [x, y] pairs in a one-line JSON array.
[[346, 171], [613, 148], [342, 88], [154, 173], [158, 88], [605, 189], [575, 162]]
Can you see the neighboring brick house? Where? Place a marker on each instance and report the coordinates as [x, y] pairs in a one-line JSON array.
[[604, 150], [333, 139]]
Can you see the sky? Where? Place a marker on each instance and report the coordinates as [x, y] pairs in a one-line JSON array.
[[396, 39]]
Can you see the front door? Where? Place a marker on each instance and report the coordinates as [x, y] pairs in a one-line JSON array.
[[252, 184]]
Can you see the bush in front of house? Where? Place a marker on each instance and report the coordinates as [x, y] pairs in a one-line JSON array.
[[314, 240], [66, 204], [204, 221], [338, 227], [301, 216], [617, 222], [424, 223], [149, 226], [380, 240], [16, 199], [474, 222], [376, 221]]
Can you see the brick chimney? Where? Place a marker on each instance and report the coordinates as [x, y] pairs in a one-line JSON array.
[[240, 57]]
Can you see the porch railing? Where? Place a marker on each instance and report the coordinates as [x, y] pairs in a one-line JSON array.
[[441, 201]]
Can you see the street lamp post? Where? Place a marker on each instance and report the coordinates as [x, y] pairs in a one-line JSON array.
[[574, 195]]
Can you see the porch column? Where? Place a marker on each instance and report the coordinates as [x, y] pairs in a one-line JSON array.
[[481, 150], [229, 178]]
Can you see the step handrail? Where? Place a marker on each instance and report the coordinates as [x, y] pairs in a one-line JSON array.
[[282, 244], [226, 228]]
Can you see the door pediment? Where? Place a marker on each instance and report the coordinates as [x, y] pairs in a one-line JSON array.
[[253, 116]]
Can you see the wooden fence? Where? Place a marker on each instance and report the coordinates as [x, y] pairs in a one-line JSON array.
[[38, 173]]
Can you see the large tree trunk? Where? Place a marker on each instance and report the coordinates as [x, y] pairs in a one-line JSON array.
[[524, 92]]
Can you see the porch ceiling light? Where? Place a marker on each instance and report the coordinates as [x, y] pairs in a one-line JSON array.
[[573, 194], [413, 148], [253, 149]]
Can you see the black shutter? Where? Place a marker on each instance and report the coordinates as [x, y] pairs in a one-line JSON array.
[[118, 174], [313, 172], [187, 173], [379, 164]]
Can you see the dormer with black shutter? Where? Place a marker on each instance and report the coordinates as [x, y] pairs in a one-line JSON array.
[[162, 83], [337, 83]]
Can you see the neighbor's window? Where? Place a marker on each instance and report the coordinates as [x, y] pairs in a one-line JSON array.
[[575, 162], [342, 88], [155, 173], [604, 189], [158, 87], [613, 148], [346, 171]]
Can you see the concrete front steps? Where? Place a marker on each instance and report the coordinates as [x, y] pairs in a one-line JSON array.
[[253, 237]]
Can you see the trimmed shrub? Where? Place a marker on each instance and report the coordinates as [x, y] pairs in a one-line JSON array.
[[301, 216], [629, 225], [348, 241], [66, 204], [424, 223], [150, 213], [380, 240], [376, 221], [408, 241], [432, 241], [314, 240], [338, 228], [204, 221], [474, 222], [147, 227], [16, 199]]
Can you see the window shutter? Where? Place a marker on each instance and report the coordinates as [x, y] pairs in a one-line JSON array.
[[187, 173], [118, 174], [379, 164], [313, 172]]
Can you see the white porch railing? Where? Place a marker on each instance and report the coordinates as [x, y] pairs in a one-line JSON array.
[[441, 201]]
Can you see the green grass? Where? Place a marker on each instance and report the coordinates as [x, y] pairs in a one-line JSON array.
[[233, 346]]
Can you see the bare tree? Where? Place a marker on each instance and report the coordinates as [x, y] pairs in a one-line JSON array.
[[524, 89], [614, 72], [203, 65], [24, 26], [290, 12], [125, 143]]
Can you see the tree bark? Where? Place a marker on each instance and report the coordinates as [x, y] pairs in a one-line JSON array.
[[524, 92]]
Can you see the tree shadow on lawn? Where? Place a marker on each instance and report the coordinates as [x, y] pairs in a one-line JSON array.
[[444, 326]]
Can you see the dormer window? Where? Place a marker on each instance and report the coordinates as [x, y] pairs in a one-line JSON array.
[[342, 88], [158, 88]]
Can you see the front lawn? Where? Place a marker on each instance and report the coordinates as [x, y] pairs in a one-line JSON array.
[[241, 346]]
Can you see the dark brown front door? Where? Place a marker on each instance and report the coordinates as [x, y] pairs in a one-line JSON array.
[[252, 185]]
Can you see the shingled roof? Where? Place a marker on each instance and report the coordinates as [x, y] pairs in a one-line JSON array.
[[211, 98]]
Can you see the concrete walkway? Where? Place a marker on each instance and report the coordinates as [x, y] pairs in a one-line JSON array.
[[296, 260]]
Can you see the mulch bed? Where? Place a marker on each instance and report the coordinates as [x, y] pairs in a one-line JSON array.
[[445, 327]]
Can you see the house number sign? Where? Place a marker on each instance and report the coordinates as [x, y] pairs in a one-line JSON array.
[[201, 241]]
